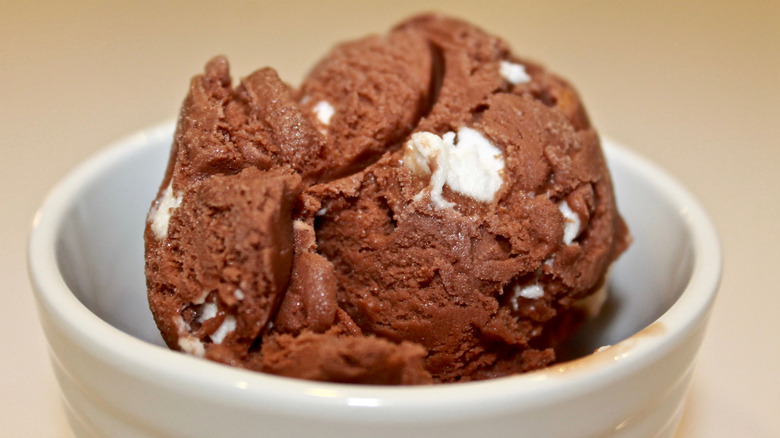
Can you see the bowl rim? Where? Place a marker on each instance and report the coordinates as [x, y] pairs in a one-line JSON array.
[[234, 387]]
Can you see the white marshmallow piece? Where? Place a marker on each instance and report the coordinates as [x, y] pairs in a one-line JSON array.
[[475, 166], [531, 292], [188, 343], [571, 225], [161, 214], [208, 311], [514, 73], [191, 345], [471, 165], [224, 329], [324, 111]]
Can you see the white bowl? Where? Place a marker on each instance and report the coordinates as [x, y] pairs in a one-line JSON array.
[[118, 380]]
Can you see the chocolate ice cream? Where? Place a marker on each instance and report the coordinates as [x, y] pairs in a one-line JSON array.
[[425, 207]]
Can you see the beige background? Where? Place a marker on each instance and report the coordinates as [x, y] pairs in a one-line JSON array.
[[691, 85]]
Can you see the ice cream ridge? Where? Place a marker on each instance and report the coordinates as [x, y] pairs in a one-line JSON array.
[[426, 208]]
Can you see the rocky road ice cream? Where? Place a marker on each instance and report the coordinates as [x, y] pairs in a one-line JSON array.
[[425, 207]]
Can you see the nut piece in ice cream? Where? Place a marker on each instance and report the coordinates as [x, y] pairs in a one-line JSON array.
[[426, 207]]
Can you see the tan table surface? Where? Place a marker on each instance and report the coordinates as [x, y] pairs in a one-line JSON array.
[[691, 85]]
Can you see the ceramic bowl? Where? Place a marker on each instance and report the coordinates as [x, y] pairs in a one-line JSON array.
[[118, 380]]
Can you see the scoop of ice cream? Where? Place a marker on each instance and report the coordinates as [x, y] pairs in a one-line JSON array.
[[427, 207]]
